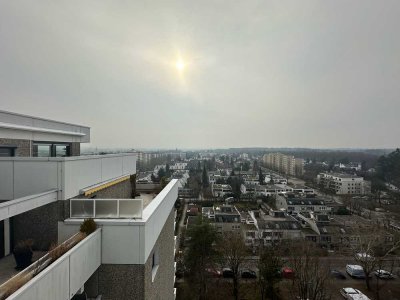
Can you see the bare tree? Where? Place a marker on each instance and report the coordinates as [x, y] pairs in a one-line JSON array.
[[269, 265], [200, 254], [373, 248], [311, 277], [387, 265], [233, 254]]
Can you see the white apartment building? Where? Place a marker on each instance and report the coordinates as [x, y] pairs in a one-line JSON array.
[[178, 166], [286, 164], [341, 183], [220, 190], [46, 191], [295, 205]]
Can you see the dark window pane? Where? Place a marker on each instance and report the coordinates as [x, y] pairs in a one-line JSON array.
[[6, 152], [62, 150]]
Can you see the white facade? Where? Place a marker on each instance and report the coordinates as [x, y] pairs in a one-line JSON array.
[[130, 241], [343, 183], [63, 278], [25, 176], [18, 126], [220, 190], [178, 166]]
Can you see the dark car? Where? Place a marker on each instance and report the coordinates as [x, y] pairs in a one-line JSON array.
[[180, 272], [227, 273], [338, 275], [248, 274]]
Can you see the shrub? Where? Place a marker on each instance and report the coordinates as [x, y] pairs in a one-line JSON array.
[[88, 226], [57, 251], [13, 285]]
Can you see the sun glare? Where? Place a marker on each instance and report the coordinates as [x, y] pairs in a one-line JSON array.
[[180, 65]]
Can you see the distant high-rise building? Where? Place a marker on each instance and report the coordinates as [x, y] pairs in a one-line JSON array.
[[286, 164]]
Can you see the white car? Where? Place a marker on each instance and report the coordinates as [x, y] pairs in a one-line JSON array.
[[364, 256], [353, 294], [382, 274], [355, 271]]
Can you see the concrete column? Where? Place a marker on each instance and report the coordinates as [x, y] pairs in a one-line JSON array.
[[7, 244]]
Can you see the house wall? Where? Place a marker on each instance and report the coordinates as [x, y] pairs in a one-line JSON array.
[[39, 224], [75, 149], [163, 285], [23, 146], [128, 281]]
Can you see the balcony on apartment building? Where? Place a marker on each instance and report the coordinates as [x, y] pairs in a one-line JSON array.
[[126, 223], [127, 232], [30, 182]]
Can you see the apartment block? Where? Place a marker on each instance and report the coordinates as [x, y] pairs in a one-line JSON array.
[[301, 204], [225, 218], [341, 183], [285, 164], [47, 190]]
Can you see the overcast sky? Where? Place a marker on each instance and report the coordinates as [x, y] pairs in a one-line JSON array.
[[257, 73]]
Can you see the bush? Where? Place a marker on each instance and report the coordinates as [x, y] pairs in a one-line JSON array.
[[343, 211], [88, 226], [13, 285], [56, 251]]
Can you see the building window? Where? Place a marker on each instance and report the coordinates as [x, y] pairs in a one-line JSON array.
[[51, 149], [6, 151], [41, 150], [154, 265]]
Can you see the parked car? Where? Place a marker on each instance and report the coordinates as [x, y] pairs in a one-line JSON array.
[[338, 275], [364, 256], [213, 272], [249, 274], [352, 294], [355, 271], [227, 273], [382, 274], [287, 273]]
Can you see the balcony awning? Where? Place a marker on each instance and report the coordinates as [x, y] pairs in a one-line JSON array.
[[98, 187]]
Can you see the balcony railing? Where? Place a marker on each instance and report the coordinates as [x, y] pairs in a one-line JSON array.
[[106, 208], [66, 275], [24, 176]]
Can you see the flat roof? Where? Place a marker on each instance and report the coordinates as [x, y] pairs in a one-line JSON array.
[[35, 128], [304, 201], [342, 175], [37, 118]]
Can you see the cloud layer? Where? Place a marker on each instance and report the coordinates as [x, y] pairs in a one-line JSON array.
[[259, 73]]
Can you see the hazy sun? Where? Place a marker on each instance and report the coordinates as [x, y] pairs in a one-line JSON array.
[[180, 65]]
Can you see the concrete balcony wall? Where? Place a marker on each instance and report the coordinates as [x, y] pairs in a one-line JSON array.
[[20, 176], [15, 207], [156, 214], [62, 279]]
